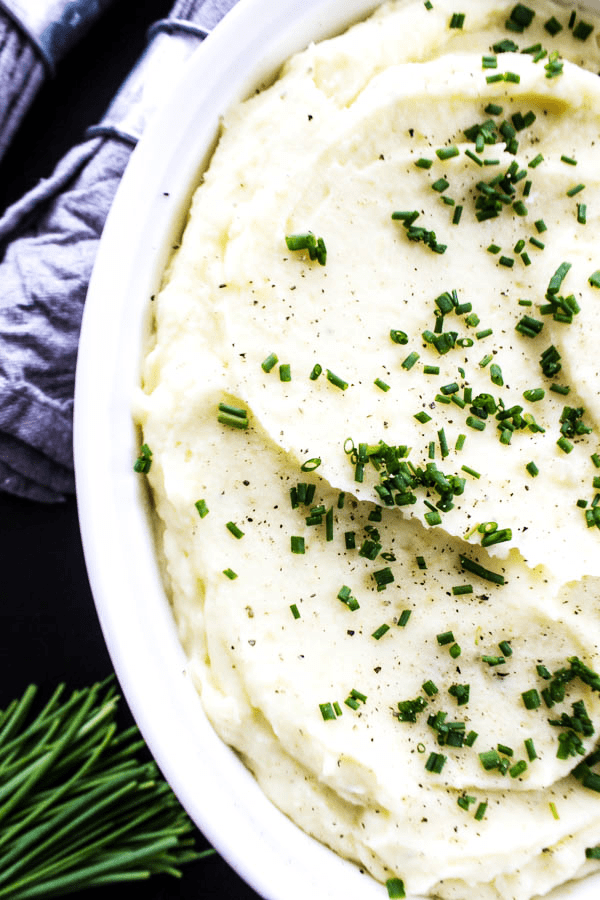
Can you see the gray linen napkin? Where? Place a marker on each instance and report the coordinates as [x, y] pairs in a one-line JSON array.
[[50, 238], [33, 39]]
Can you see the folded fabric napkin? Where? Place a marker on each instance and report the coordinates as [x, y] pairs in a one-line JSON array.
[[33, 39], [48, 242]]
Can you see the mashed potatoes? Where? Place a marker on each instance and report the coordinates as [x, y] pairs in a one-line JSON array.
[[375, 462]]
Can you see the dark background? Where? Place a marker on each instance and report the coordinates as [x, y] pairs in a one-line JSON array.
[[49, 632]]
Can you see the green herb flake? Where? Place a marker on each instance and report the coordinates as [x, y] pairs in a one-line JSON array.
[[395, 889], [379, 632], [233, 416], [457, 20], [410, 360], [553, 26], [308, 241], [269, 363], [327, 711], [144, 461], [531, 699], [297, 544]]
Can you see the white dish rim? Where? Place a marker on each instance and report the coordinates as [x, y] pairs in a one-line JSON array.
[[267, 850]]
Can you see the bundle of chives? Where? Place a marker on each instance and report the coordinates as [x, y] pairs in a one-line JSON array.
[[77, 809]]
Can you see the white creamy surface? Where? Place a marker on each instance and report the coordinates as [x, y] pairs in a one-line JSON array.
[[331, 147]]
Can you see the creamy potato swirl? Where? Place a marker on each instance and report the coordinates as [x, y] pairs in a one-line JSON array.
[[416, 688]]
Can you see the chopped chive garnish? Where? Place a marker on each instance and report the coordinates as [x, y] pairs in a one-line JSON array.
[[470, 738], [493, 660], [447, 152], [490, 759], [532, 469], [404, 617], [430, 688], [568, 160], [457, 214], [232, 415], [594, 279], [307, 241], [470, 471], [424, 163], [235, 531], [537, 243], [455, 651], [461, 692], [295, 611], [505, 648], [435, 762], [315, 372], [297, 544], [476, 569], [474, 157], [336, 380], [460, 442], [311, 464], [451, 388], [269, 363], [476, 424], [481, 811], [398, 337], [554, 66], [506, 261], [493, 79], [494, 248], [489, 62], [582, 30], [229, 573], [582, 213], [531, 699], [443, 443], [534, 394], [395, 886], [285, 372], [534, 163], [565, 444], [518, 769], [327, 711], [530, 748], [381, 385], [350, 540], [202, 508], [379, 632], [553, 26], [410, 360], [422, 417], [421, 561], [553, 810], [440, 185], [445, 637], [383, 577], [575, 190], [329, 524], [431, 370], [457, 20]]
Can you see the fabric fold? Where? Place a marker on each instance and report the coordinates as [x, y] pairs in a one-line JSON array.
[[49, 240]]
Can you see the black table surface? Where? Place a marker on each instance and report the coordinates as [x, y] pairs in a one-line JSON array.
[[49, 628]]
